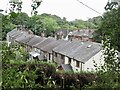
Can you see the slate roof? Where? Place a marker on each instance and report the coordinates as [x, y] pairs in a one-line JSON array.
[[35, 40], [44, 43], [49, 47], [24, 39], [23, 36], [15, 34], [85, 51], [59, 48], [67, 67], [12, 32], [70, 47], [83, 32], [79, 50]]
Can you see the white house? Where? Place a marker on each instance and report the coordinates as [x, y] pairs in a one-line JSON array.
[[79, 55]]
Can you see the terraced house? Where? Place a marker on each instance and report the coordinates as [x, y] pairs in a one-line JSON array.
[[82, 35], [80, 55], [72, 55]]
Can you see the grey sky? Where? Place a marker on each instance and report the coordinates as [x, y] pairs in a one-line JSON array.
[[71, 9]]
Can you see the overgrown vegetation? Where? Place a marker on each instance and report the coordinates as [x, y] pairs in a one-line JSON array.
[[109, 74], [110, 26], [21, 73]]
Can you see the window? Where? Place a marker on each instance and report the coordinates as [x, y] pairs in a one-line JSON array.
[[77, 64], [81, 67], [62, 57], [69, 60], [49, 56], [55, 54]]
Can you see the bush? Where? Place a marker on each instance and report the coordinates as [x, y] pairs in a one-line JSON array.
[[38, 74]]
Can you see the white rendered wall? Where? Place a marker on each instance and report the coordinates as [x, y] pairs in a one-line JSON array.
[[66, 60], [73, 64], [89, 65]]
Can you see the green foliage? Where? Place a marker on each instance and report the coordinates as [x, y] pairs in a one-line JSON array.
[[40, 23], [50, 23], [110, 26], [96, 21], [7, 26], [85, 24], [104, 81], [108, 75], [79, 23], [110, 55], [18, 79], [20, 19], [45, 23], [20, 73], [17, 72]]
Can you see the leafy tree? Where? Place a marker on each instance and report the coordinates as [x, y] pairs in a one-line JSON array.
[[20, 19], [7, 26], [13, 18], [43, 23], [79, 23], [110, 26], [108, 75], [96, 21], [19, 73], [35, 23], [50, 25]]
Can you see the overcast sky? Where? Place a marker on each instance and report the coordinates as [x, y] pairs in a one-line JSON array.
[[71, 9]]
